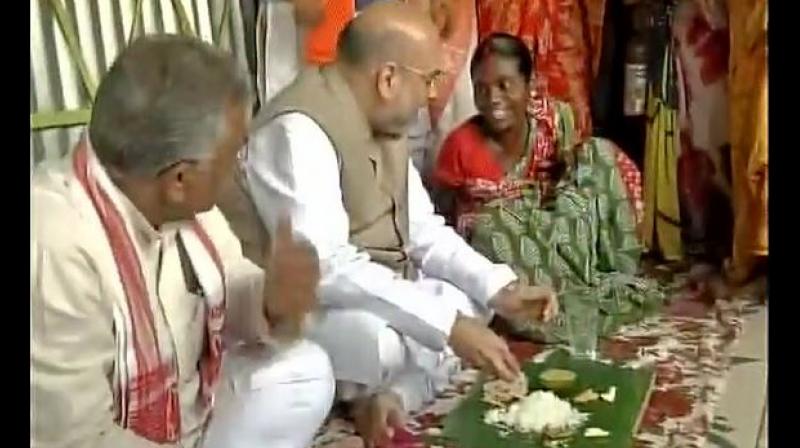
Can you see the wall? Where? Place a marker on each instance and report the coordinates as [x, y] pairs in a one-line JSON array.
[[73, 42]]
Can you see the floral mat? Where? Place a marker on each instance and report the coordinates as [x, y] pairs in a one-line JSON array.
[[689, 344]]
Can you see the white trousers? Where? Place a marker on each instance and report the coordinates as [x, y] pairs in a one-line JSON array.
[[268, 399], [368, 355]]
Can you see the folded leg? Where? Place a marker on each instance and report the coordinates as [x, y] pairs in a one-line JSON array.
[[370, 356], [271, 399]]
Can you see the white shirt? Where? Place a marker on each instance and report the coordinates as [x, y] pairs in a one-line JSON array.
[[291, 167], [74, 295]]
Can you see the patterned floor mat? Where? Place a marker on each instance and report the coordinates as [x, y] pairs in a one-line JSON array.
[[689, 345]]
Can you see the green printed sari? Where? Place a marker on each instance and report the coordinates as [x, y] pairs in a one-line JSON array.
[[583, 235]]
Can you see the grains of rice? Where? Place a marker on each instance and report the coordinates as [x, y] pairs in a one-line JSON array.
[[536, 412]]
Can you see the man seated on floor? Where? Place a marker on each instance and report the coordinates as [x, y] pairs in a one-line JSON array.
[[401, 292], [136, 273]]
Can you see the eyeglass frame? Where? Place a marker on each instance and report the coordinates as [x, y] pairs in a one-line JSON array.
[[430, 78]]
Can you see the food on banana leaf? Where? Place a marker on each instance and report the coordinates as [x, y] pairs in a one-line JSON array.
[[595, 433], [557, 379], [540, 412], [499, 392], [586, 396], [610, 395]]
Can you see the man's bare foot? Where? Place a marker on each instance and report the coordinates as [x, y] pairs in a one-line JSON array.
[[376, 417]]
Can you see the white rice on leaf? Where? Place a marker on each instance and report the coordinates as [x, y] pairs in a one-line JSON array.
[[538, 412]]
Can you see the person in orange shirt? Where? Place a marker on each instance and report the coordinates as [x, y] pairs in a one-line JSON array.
[[320, 46], [320, 43]]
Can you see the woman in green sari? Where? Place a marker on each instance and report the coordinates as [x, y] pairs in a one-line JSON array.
[[523, 192]]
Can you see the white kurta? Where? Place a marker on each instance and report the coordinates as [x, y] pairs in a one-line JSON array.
[[292, 168], [75, 294]]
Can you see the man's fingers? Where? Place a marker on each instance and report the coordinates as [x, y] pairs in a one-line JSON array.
[[473, 364], [501, 369], [551, 307], [511, 362], [543, 303]]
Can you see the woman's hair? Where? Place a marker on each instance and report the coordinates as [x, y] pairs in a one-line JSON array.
[[507, 46]]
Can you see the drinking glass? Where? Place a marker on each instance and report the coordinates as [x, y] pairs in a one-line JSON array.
[[582, 315]]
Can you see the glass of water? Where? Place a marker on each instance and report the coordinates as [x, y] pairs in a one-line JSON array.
[[582, 315]]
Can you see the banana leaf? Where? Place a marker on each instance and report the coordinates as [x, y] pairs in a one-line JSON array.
[[464, 427]]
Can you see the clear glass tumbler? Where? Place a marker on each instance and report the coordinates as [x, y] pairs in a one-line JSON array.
[[582, 314]]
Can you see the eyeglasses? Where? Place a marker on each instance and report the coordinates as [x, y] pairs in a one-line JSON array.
[[431, 79]]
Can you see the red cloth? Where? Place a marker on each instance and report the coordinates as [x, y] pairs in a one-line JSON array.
[[149, 404], [563, 36], [465, 155], [468, 166]]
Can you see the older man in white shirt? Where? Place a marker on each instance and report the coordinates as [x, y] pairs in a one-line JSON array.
[[135, 273], [401, 292]]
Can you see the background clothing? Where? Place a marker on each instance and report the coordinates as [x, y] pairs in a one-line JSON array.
[[662, 226], [279, 48], [454, 102], [320, 46], [749, 133], [701, 47]]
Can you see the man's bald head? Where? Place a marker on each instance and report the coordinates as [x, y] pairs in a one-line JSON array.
[[391, 57], [388, 31]]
